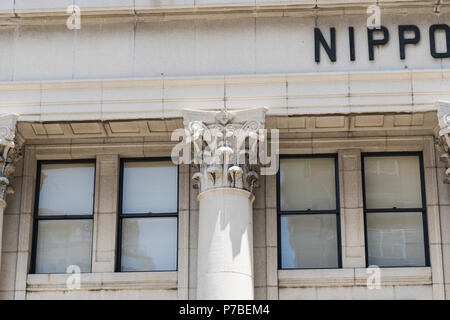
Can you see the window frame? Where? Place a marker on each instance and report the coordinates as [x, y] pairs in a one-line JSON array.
[[336, 212], [419, 154], [37, 218], [121, 215]]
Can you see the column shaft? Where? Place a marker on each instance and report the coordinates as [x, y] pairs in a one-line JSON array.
[[2, 210], [225, 245]]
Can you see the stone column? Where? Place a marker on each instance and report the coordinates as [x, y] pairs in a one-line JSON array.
[[443, 148], [227, 174], [444, 137], [9, 154], [225, 245]]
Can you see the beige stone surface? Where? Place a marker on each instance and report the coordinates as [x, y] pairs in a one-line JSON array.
[[11, 227], [183, 249], [269, 282], [403, 283], [352, 216], [267, 278], [105, 295], [7, 275], [6, 295], [259, 228], [80, 101], [105, 213], [136, 285]]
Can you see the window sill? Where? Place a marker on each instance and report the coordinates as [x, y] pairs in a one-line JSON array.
[[105, 281], [302, 278]]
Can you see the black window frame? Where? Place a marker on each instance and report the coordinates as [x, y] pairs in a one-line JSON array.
[[37, 218], [336, 212], [121, 215], [419, 154]]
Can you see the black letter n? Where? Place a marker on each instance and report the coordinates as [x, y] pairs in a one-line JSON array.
[[319, 39]]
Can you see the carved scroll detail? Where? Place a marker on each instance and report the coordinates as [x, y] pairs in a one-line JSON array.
[[10, 153], [225, 147]]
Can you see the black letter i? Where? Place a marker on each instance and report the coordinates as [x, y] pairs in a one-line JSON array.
[[351, 38]]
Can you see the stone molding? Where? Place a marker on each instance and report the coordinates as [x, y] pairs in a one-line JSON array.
[[283, 95], [104, 281], [10, 153], [189, 8], [152, 131], [224, 142], [353, 277], [444, 136], [227, 190]]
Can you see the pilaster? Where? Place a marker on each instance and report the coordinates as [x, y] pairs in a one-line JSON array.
[[10, 153]]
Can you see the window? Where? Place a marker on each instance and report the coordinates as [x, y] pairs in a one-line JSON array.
[[308, 212], [63, 216], [148, 216], [395, 210]]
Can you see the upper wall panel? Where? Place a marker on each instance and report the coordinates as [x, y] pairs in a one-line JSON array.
[[208, 47]]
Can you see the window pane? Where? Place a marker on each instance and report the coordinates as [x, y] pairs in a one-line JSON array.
[[307, 184], [395, 239], [67, 189], [149, 244], [309, 241], [150, 187], [62, 243], [392, 182]]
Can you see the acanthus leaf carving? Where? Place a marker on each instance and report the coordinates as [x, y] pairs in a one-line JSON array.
[[10, 153], [224, 143]]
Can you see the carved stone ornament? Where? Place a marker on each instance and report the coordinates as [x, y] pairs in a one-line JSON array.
[[225, 144], [10, 153], [444, 137]]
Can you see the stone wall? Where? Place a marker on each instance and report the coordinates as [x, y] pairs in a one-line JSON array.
[[270, 283], [154, 47], [116, 88]]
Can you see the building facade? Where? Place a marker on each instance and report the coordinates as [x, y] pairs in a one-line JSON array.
[[349, 100]]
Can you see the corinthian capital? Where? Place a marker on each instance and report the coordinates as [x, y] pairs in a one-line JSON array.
[[225, 147], [444, 136], [10, 153]]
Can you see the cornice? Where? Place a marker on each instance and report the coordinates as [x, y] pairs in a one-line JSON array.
[[129, 10], [163, 98]]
